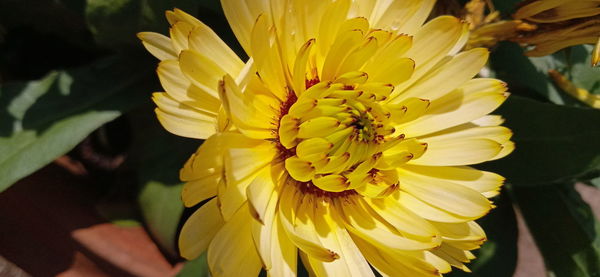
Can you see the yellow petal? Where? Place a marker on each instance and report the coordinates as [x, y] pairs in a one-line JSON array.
[[233, 245], [181, 119], [408, 110], [199, 190], [458, 152], [180, 32], [445, 195], [181, 89], [432, 43], [351, 78], [199, 230], [403, 17], [330, 24], [395, 73], [405, 221], [241, 15], [260, 191], [536, 7], [299, 169], [296, 212], [363, 223], [413, 146], [178, 15], [451, 74], [202, 39], [442, 265], [207, 161], [340, 49], [334, 183], [300, 66], [202, 71], [471, 101], [465, 236], [158, 45], [254, 123], [333, 234], [270, 67], [394, 263], [358, 57], [277, 252], [425, 210], [318, 127], [389, 54], [288, 131], [454, 256], [498, 134], [482, 181], [243, 159], [488, 120], [313, 146]]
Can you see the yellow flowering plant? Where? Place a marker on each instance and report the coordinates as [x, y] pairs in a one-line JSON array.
[[345, 138], [302, 137]]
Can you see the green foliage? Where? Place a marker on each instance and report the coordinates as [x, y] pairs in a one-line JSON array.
[[44, 119], [564, 228], [528, 76], [553, 143]]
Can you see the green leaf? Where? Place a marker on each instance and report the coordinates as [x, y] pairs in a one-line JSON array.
[[553, 143], [159, 155], [195, 268], [530, 74], [162, 209], [563, 227], [498, 256], [44, 119]]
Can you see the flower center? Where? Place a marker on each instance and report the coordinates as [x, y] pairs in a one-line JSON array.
[[334, 135]]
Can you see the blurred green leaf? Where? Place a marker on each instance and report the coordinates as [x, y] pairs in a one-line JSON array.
[[44, 119], [159, 155], [594, 182], [195, 268], [530, 74], [553, 143], [498, 256], [162, 209], [564, 228]]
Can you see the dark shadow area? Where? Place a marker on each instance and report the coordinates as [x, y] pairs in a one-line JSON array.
[[39, 215], [37, 36]]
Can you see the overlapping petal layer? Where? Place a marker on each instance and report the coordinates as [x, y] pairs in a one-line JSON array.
[[346, 138]]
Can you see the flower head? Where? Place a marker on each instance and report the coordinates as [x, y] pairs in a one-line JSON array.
[[560, 24], [345, 138]]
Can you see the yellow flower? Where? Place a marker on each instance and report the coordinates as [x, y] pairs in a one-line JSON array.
[[346, 138], [560, 24]]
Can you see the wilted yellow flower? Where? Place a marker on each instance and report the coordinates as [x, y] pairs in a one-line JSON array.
[[486, 28], [345, 138], [560, 24], [580, 94]]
